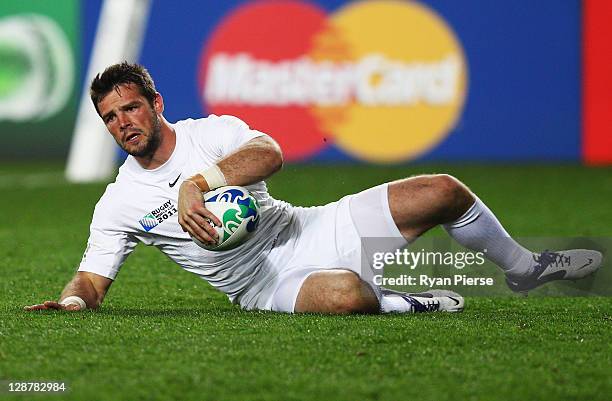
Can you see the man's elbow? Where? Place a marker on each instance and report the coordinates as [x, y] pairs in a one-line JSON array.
[[275, 156], [277, 161]]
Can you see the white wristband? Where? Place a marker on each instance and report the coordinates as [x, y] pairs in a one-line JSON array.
[[214, 177], [74, 300]]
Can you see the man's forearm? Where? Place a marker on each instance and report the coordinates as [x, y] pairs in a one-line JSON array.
[[82, 287], [255, 161]]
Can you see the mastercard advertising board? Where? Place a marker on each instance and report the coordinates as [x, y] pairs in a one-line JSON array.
[[379, 81], [346, 78]]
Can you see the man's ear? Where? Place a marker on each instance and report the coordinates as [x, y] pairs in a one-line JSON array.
[[158, 103]]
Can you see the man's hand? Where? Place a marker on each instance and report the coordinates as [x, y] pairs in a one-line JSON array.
[[193, 216], [85, 288], [52, 305]]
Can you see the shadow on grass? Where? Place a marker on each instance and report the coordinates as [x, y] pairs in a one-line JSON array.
[[170, 312], [133, 312]]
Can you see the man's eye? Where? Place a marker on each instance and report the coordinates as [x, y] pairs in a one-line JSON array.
[[110, 119]]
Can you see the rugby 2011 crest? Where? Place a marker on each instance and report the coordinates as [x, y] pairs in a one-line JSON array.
[[158, 215]]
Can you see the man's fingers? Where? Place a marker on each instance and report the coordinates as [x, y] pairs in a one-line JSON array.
[[210, 215], [200, 233], [52, 305], [204, 223], [35, 307], [201, 215], [197, 223], [57, 306], [195, 230]]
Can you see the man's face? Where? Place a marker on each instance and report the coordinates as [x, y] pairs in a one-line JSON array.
[[131, 120]]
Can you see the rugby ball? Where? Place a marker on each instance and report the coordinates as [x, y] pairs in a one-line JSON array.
[[238, 212]]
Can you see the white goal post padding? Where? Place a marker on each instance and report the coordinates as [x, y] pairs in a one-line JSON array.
[[119, 37]]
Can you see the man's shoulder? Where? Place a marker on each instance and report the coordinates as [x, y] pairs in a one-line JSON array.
[[121, 198], [120, 189], [211, 123], [113, 195]]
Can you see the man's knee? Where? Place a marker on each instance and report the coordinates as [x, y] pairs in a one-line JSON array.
[[454, 197], [441, 196], [422, 202], [337, 292], [353, 295]]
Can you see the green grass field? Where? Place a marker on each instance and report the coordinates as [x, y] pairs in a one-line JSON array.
[[165, 334]]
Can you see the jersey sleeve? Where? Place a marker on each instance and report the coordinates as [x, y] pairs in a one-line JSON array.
[[225, 134], [107, 247]]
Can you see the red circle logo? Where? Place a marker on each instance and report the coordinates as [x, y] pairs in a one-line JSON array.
[[234, 81]]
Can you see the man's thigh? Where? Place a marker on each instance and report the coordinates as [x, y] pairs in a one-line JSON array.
[[341, 236], [345, 234]]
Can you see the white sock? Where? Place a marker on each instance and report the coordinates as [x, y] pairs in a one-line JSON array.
[[478, 229], [394, 304]]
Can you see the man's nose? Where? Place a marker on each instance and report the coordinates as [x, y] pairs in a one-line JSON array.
[[124, 121]]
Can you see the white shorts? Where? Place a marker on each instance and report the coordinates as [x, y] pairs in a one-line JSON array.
[[331, 237]]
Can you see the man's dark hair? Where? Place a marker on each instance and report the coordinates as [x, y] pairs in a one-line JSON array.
[[122, 74]]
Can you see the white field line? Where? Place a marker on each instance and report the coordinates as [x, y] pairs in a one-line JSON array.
[[32, 180]]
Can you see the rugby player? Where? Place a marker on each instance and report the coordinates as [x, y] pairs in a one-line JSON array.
[[300, 259]]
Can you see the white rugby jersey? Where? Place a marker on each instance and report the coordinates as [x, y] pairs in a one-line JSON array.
[[141, 206]]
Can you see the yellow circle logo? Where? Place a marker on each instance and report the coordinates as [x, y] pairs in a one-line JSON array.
[[409, 79]]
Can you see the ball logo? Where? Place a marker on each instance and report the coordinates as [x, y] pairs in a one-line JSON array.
[[384, 81], [247, 209]]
